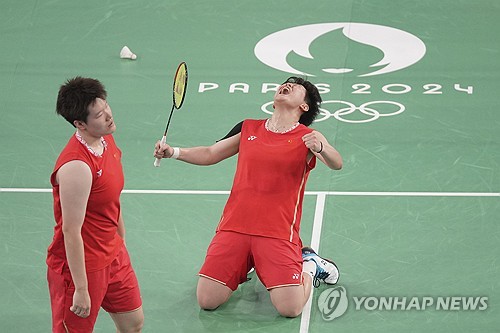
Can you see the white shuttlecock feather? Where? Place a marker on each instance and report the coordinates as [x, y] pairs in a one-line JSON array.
[[125, 53]]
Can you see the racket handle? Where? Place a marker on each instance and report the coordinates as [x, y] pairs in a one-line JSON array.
[[158, 160]]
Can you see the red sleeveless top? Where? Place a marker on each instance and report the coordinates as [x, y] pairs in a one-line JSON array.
[[99, 231], [268, 189]]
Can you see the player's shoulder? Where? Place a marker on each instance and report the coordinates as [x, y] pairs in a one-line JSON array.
[[253, 122], [305, 129], [109, 138]]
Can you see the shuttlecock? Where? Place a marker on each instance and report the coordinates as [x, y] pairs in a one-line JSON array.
[[125, 53]]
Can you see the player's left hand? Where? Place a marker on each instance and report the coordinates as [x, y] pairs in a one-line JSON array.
[[313, 141]]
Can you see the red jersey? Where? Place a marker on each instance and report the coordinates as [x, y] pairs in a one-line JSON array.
[[99, 231], [268, 188]]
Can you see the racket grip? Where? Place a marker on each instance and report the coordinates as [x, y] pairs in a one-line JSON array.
[[158, 160]]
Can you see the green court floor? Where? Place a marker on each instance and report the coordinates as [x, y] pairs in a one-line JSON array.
[[410, 100]]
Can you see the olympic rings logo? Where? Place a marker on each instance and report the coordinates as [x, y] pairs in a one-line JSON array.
[[346, 114]]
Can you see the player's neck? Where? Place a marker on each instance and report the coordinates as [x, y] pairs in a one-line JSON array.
[[284, 117], [92, 142], [281, 123]]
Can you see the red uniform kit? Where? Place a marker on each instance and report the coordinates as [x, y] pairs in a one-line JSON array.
[[271, 175], [106, 260]]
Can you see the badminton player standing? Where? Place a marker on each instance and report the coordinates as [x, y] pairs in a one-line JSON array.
[[88, 263], [260, 223]]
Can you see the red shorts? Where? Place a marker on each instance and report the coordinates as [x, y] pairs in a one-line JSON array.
[[114, 288], [231, 255]]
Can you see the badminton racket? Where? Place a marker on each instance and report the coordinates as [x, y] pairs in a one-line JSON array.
[[179, 91]]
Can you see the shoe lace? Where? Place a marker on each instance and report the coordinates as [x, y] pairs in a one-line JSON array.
[[319, 277]]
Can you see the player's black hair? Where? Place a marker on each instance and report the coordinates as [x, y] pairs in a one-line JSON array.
[[76, 95]]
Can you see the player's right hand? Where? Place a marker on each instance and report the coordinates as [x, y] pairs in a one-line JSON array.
[[162, 150], [81, 303]]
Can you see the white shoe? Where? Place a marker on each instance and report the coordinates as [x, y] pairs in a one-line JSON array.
[[326, 270]]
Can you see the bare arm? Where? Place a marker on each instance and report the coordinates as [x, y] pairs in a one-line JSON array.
[[326, 153], [75, 180], [203, 155]]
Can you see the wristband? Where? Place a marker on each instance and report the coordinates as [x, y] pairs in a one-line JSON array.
[[321, 149], [176, 153]]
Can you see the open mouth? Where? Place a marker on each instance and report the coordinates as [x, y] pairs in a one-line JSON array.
[[285, 90]]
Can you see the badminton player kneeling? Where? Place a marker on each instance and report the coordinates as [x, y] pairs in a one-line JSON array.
[[260, 224]]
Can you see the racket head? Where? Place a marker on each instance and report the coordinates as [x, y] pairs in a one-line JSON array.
[[180, 85]]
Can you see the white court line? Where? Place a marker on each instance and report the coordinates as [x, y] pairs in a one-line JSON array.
[[414, 194], [334, 193], [316, 236], [49, 190]]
